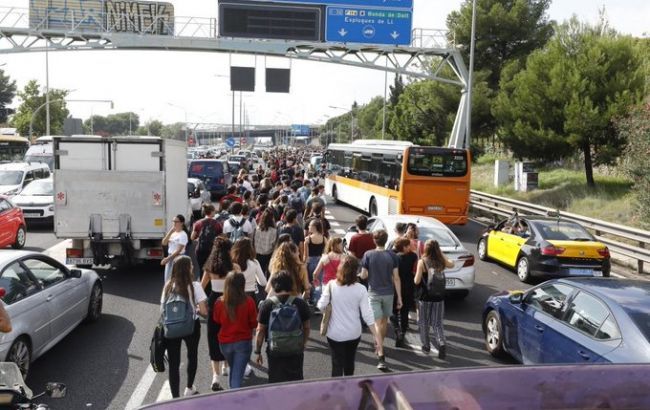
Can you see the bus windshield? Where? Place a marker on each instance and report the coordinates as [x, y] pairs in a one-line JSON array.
[[428, 161]]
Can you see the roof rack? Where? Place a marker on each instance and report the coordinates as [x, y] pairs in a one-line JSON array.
[[384, 142]]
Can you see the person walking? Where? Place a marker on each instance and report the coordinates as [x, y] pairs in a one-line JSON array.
[[205, 232], [361, 242], [407, 264], [183, 284], [432, 299], [327, 265], [265, 237], [243, 255], [235, 312], [286, 258], [380, 268], [237, 225], [315, 244], [286, 340], [318, 214], [292, 228], [348, 298], [218, 265], [176, 240]]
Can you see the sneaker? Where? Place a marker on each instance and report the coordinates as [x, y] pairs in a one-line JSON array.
[[382, 363], [248, 371], [442, 352], [426, 349], [224, 370], [190, 391], [215, 384]]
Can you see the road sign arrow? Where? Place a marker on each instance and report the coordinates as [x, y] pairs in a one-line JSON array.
[[342, 32], [394, 35]]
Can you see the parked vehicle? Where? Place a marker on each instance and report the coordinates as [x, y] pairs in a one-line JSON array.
[[45, 301], [13, 230], [542, 246], [198, 196], [571, 320], [15, 394], [37, 200], [214, 173], [460, 278], [116, 197], [14, 177], [41, 152]]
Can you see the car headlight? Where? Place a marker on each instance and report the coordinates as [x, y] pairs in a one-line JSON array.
[[50, 208], [13, 191]]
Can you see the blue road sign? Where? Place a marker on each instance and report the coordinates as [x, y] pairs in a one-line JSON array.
[[230, 142], [385, 4], [368, 26], [300, 129]]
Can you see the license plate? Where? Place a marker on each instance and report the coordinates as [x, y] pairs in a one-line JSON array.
[[598, 273], [79, 261], [451, 282], [30, 214], [581, 272], [435, 208]]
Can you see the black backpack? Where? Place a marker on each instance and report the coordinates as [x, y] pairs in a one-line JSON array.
[[434, 288], [207, 236]]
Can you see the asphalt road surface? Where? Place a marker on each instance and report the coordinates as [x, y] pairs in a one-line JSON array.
[[106, 364]]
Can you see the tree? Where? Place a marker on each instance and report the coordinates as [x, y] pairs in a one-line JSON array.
[[369, 118], [32, 99], [7, 94], [152, 127], [569, 94], [635, 128], [124, 123], [174, 131], [396, 90]]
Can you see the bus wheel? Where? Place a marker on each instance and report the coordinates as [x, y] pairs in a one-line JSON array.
[[335, 195], [372, 209]]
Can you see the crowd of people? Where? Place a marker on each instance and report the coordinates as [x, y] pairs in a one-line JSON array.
[[269, 264]]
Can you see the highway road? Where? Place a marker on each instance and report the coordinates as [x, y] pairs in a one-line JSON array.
[[106, 364]]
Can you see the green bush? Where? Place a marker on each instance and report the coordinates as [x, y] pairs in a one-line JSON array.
[[636, 127]]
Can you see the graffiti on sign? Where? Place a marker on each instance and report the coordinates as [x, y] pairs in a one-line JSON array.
[[142, 17]]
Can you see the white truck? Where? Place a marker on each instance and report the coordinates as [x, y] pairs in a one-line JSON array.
[[115, 197]]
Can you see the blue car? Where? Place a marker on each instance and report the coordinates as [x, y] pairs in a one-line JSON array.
[[571, 320]]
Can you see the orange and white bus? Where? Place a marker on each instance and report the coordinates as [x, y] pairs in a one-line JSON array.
[[396, 177]]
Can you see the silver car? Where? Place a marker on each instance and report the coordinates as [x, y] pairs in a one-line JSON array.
[[45, 301], [460, 278]]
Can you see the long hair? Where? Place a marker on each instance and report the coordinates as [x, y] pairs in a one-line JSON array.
[[182, 219], [182, 277], [318, 225], [233, 293], [285, 258], [334, 245], [267, 220], [242, 252], [219, 262], [434, 255], [346, 274]]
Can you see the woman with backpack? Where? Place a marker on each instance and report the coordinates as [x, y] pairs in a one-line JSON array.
[[430, 276], [407, 263], [205, 232], [176, 240], [314, 248], [182, 284], [236, 314], [265, 237], [219, 264], [287, 258], [348, 297]]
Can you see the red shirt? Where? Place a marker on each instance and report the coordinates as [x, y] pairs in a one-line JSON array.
[[360, 243], [198, 225], [245, 321]]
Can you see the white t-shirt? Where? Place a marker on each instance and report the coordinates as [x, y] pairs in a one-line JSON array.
[[176, 240], [247, 186], [347, 302], [247, 227], [253, 273], [199, 296]]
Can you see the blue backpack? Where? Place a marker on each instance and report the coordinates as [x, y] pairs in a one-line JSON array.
[[177, 316], [285, 333]]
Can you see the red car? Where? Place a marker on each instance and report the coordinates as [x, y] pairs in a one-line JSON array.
[[13, 230]]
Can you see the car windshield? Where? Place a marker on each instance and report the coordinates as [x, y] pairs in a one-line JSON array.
[[640, 315], [40, 187], [11, 177], [443, 237], [563, 231]]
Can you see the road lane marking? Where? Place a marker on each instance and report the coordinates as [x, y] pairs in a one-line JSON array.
[[165, 392], [140, 393], [339, 231], [58, 251], [335, 224]]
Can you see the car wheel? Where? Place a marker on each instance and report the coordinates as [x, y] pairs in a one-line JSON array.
[[482, 249], [335, 195], [95, 304], [372, 208], [494, 334], [523, 269], [21, 238], [20, 353]]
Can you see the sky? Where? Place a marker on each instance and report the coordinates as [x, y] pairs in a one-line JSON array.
[[177, 86]]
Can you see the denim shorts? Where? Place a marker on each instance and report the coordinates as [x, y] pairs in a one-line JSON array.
[[382, 305]]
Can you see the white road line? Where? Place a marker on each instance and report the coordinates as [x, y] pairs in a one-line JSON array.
[[335, 224], [616, 275], [165, 392], [339, 231], [58, 251], [141, 390]]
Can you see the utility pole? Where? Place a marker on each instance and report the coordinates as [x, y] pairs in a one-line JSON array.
[[47, 91], [471, 76]]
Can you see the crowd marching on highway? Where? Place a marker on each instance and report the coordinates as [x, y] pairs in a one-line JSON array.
[[269, 263]]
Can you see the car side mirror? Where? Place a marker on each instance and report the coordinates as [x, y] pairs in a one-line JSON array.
[[75, 273], [55, 390], [353, 228], [516, 298]]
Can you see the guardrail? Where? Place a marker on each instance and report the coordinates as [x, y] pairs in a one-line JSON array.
[[630, 242]]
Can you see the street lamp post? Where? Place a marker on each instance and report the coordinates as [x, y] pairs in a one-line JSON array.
[[471, 76]]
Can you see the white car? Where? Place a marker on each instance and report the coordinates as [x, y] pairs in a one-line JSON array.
[[37, 200], [460, 278], [16, 176]]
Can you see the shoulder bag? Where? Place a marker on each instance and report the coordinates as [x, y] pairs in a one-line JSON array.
[[327, 313]]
